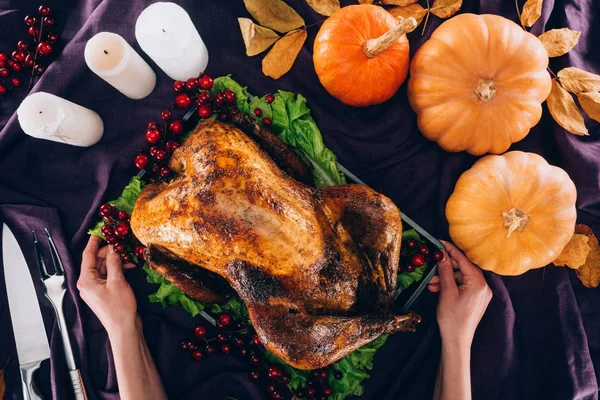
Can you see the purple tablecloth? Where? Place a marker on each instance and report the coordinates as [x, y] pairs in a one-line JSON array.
[[540, 338]]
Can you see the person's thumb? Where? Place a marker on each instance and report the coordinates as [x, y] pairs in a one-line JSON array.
[[114, 267], [446, 273]]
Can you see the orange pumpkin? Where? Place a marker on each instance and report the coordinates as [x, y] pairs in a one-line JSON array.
[[361, 54], [512, 213], [478, 84]]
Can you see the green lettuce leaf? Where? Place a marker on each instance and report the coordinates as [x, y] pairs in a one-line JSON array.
[[168, 294]]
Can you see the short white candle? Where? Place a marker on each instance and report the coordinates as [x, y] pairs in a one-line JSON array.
[[46, 116], [167, 34], [110, 57]]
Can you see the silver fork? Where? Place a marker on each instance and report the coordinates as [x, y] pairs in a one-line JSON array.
[[55, 290]]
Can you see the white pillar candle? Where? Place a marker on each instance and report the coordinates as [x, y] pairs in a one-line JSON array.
[[167, 34], [110, 57], [46, 116]]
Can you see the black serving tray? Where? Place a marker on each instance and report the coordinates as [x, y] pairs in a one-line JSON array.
[[405, 298]]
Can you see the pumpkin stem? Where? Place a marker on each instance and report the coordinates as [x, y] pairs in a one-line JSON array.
[[515, 220], [485, 89], [374, 47]]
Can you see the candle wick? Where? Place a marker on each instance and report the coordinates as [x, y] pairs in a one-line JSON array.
[[40, 112], [105, 52], [164, 30]]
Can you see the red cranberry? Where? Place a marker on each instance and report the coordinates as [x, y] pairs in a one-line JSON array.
[[184, 345], [44, 48], [401, 268], [106, 210], [122, 230], [178, 86], [164, 172], [226, 348], [120, 248], [107, 231], [411, 243], [256, 340], [209, 350], [44, 10], [424, 249], [229, 96], [191, 83], [269, 98], [323, 374], [255, 375], [152, 125], [111, 239], [39, 69], [176, 127], [327, 391], [30, 20], [200, 331], [257, 112], [203, 98], [417, 260], [122, 215], [183, 100], [191, 345], [53, 37], [233, 112], [22, 45], [219, 98], [3, 63], [49, 21], [410, 268], [166, 115], [108, 220], [171, 145], [17, 67], [206, 82], [141, 161], [310, 392], [125, 257], [153, 136], [274, 372], [4, 72], [267, 121], [2, 90], [155, 167], [223, 117], [197, 355], [221, 338], [204, 111], [225, 319], [33, 31], [139, 252], [18, 55], [255, 359], [438, 255], [238, 341], [160, 154]]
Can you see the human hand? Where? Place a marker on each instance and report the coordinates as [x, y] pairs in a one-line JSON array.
[[103, 287], [464, 297]]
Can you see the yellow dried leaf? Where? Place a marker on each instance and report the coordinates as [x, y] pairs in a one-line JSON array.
[[324, 7], [559, 41], [590, 102], [532, 11], [256, 38], [563, 109], [414, 10], [576, 80], [400, 3], [445, 8], [275, 14], [575, 252], [280, 59], [589, 273]]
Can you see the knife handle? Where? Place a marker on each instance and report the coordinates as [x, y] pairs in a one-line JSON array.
[[30, 391], [78, 387]]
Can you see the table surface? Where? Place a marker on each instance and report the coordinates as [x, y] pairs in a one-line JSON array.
[[539, 339]]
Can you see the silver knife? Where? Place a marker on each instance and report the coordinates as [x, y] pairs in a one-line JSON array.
[[28, 325]]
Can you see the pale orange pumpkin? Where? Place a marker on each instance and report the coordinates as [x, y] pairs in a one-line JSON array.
[[478, 83], [361, 54], [512, 213]]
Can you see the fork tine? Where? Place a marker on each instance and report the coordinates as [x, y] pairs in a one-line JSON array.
[[54, 253], [38, 257]]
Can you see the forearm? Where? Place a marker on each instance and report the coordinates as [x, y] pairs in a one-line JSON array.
[[454, 374], [137, 375]]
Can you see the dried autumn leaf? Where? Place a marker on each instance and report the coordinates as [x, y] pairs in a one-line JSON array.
[[532, 11], [575, 252], [324, 7], [400, 3], [564, 110], [275, 14], [445, 8], [414, 10], [256, 38], [576, 80], [559, 41], [590, 102], [589, 273], [280, 59]]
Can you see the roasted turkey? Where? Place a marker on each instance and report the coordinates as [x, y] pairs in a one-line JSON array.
[[316, 267]]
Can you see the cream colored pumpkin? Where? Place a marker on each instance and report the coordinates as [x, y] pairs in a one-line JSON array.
[[478, 84], [512, 213]]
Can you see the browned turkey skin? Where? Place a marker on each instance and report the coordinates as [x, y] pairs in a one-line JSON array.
[[316, 267]]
